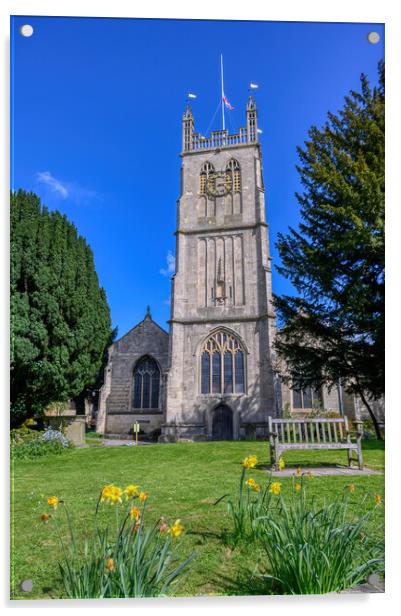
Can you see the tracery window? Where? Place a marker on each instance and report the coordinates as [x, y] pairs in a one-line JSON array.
[[222, 365], [146, 384], [233, 175], [207, 169]]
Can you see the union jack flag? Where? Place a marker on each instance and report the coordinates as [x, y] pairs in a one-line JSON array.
[[227, 102]]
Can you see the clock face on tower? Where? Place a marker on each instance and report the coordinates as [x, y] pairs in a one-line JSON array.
[[218, 184]]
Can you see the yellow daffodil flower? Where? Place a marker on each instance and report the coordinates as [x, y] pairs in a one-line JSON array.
[[143, 496], [131, 491], [275, 488], [111, 494], [176, 529], [249, 462], [378, 499], [281, 464], [134, 513], [110, 565], [53, 501], [251, 483]]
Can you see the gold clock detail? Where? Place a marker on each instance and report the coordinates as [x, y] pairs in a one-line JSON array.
[[218, 184]]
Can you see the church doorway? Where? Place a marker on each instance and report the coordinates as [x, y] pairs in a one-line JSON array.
[[222, 423]]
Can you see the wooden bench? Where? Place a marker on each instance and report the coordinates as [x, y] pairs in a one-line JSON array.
[[287, 434]]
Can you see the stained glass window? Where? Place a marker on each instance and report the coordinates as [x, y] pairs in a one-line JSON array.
[[222, 365], [146, 384], [205, 368], [228, 372], [239, 373]]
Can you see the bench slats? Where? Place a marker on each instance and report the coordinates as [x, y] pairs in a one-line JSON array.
[[330, 433]]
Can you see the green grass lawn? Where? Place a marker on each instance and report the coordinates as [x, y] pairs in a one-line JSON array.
[[183, 480]]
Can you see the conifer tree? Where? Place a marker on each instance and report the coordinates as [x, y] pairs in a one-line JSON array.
[[60, 319], [333, 329]]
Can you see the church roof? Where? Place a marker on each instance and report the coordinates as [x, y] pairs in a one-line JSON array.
[[146, 320]]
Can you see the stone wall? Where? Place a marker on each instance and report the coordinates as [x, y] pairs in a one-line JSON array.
[[116, 415]]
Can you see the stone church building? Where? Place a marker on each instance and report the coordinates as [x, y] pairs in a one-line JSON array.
[[212, 375]]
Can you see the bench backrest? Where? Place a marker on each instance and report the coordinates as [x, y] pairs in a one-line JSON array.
[[333, 430]]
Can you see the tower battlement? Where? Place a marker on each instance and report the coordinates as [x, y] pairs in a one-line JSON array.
[[192, 141]]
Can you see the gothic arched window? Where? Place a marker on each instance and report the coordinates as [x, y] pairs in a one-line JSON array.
[[222, 365], [207, 169], [233, 175], [146, 384]]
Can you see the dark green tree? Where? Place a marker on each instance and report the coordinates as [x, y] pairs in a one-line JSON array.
[[60, 319], [333, 329]]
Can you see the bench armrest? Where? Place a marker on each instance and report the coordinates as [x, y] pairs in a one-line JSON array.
[[355, 433]]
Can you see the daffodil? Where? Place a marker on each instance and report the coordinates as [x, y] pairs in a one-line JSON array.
[[131, 491], [249, 462], [134, 513], [176, 529], [251, 483], [378, 499], [275, 488], [111, 494], [143, 496], [281, 464], [298, 487], [351, 488], [53, 501], [309, 475], [110, 565], [298, 472]]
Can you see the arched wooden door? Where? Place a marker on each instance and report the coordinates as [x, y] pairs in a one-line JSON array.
[[222, 423]]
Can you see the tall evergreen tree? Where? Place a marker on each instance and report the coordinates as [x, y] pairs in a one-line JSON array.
[[60, 319], [333, 329]]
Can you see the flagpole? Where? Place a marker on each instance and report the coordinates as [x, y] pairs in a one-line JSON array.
[[222, 90]]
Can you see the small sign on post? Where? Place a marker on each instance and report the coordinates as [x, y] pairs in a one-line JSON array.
[[136, 428]]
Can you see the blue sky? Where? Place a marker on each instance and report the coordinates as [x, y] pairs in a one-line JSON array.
[[96, 125]]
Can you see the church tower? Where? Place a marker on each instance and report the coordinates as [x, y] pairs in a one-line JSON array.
[[221, 383]]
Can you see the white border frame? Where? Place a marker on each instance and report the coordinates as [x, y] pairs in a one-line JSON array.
[[286, 10]]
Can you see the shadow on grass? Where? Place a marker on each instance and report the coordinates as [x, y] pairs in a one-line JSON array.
[[204, 535], [226, 537], [246, 583]]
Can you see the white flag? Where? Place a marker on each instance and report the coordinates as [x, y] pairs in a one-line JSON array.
[[253, 86], [190, 95]]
